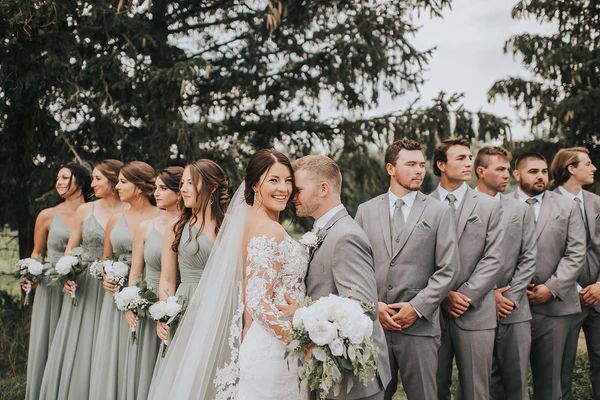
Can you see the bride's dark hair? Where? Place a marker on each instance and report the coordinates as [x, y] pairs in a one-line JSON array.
[[259, 163]]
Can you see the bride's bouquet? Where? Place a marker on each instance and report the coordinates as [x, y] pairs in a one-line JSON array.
[[68, 268], [116, 272], [170, 312], [32, 270], [331, 339], [137, 298]]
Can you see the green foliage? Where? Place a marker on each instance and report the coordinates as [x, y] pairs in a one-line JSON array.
[[14, 335]]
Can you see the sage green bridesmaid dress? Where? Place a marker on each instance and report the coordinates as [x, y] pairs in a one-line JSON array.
[[141, 355], [108, 361], [45, 312], [67, 373]]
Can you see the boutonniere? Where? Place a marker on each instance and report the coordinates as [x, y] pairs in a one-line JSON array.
[[312, 240], [474, 219]]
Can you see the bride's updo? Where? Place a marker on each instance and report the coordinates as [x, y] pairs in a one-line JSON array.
[[259, 163]]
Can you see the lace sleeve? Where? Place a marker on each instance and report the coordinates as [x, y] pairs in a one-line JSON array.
[[262, 272]]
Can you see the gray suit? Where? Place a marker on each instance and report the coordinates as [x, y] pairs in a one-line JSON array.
[[343, 265], [471, 336], [560, 236], [513, 334], [416, 267], [589, 318]]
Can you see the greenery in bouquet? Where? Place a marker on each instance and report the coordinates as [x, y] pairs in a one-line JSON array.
[[31, 270], [169, 311], [69, 268], [137, 298]]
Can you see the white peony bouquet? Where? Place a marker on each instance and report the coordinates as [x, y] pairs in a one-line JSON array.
[[331, 338], [32, 270], [137, 298], [116, 272], [68, 268], [96, 268], [170, 312]]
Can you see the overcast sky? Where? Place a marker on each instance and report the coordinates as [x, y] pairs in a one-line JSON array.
[[469, 56]]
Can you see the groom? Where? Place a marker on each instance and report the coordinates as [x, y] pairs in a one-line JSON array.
[[343, 263]]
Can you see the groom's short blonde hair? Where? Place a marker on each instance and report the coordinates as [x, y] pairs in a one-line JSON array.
[[322, 168]]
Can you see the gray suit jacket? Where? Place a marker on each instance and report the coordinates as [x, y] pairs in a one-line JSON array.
[[480, 234], [422, 268], [590, 272], [520, 249], [560, 236], [343, 265]]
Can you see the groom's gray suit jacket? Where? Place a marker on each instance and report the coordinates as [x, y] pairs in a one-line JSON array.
[[343, 265], [419, 265]]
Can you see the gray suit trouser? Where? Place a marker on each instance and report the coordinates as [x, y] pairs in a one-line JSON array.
[[474, 353], [376, 396], [416, 359], [511, 359], [589, 320], [548, 340]]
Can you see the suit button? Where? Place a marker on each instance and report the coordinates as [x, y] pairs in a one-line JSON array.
[[397, 240], [390, 287]]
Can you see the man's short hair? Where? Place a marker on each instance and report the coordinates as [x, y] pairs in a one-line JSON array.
[[392, 151], [533, 155], [439, 154], [323, 168], [561, 162], [485, 153]]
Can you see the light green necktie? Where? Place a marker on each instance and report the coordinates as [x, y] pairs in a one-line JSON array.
[[532, 201], [398, 218], [452, 201]]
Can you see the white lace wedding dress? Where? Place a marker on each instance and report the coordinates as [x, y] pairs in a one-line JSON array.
[[272, 270]]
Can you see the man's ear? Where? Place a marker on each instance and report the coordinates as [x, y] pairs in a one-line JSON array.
[[390, 169], [324, 189], [441, 165], [516, 174]]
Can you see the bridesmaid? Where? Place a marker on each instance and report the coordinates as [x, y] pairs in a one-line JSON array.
[[69, 361], [136, 187], [51, 234], [145, 260], [186, 247]]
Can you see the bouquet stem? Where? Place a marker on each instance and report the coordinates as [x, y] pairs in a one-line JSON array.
[[73, 296], [163, 353], [133, 335], [26, 299]]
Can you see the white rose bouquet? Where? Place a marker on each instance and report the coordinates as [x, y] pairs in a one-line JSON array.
[[68, 268], [137, 298], [331, 338], [116, 272], [170, 312], [32, 270], [96, 268]]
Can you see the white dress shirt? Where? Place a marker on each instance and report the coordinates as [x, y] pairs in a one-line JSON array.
[[496, 196], [459, 193], [321, 222], [537, 206], [572, 196], [408, 199]]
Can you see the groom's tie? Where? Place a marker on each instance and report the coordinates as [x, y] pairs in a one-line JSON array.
[[397, 219]]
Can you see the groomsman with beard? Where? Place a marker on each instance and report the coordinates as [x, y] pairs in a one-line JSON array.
[[553, 297], [469, 317], [572, 169], [416, 257], [513, 334]]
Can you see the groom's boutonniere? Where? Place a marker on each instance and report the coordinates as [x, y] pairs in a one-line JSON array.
[[312, 240]]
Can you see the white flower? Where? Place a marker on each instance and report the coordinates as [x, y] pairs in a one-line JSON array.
[[34, 267], [337, 347], [310, 239], [119, 268], [322, 333], [158, 310], [172, 306], [65, 264], [127, 295], [364, 330]]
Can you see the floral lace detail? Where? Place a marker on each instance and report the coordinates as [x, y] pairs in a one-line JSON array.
[[274, 269], [227, 378]]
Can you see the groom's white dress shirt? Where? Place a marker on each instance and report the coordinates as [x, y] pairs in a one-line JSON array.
[[321, 222]]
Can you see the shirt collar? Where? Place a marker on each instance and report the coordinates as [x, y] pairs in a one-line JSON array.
[[408, 198], [459, 193], [496, 196], [523, 196], [321, 222], [572, 196]]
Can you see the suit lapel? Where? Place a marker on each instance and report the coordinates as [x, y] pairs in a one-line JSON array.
[[469, 203], [384, 222], [323, 232], [590, 213], [545, 214], [413, 217]]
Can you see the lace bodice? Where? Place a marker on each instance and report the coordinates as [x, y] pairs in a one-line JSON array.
[[272, 270]]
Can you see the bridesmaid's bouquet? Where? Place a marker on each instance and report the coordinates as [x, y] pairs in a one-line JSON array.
[[170, 312], [32, 270], [331, 339], [137, 298], [68, 268], [96, 268], [116, 272]]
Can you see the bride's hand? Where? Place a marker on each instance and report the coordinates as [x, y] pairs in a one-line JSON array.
[[291, 306], [162, 331]]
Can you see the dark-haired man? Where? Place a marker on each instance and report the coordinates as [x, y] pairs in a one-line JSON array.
[[469, 317], [553, 297], [571, 169], [416, 256], [513, 334]]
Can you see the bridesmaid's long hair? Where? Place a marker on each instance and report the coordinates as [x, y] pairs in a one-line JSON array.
[[110, 168], [82, 177], [214, 193], [171, 177], [143, 176]]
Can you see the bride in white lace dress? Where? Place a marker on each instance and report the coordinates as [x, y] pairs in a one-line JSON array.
[[231, 342]]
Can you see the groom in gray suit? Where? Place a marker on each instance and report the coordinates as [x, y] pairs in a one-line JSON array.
[[553, 297], [513, 334], [416, 256], [343, 262], [469, 317]]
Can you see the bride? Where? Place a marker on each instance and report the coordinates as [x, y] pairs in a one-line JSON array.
[[231, 342]]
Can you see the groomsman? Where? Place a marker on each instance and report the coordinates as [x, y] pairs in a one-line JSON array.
[[469, 317], [513, 334], [553, 297], [416, 257], [572, 169]]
